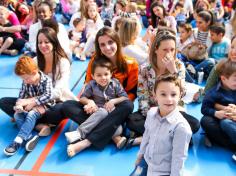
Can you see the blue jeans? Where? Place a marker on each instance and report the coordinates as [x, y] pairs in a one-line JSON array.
[[206, 65], [229, 127], [140, 169], [26, 122]]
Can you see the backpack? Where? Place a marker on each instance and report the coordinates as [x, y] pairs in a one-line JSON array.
[[195, 51]]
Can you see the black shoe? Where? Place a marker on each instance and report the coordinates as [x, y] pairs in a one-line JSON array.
[[234, 156], [31, 143], [12, 148], [129, 143]]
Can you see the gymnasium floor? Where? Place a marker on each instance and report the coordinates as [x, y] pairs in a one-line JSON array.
[[49, 158]]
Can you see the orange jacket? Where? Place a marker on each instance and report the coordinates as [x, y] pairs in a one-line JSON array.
[[128, 80]]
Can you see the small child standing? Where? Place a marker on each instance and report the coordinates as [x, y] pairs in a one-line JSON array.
[[218, 101], [99, 98], [78, 38], [220, 44], [35, 95], [165, 142]]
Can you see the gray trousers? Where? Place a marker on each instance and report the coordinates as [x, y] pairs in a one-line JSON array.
[[88, 125]]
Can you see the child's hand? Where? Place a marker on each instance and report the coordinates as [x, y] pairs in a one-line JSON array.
[[18, 109], [138, 160], [230, 111], [29, 107], [220, 114], [91, 107], [109, 106], [24, 102]]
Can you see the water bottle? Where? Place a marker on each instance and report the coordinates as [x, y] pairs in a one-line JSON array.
[[200, 76]]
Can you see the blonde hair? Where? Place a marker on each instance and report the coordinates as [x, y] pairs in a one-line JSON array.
[[129, 31], [131, 7]]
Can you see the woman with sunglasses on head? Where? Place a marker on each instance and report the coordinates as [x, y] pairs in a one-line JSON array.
[[162, 60]]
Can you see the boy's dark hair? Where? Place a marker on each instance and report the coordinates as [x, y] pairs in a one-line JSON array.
[[173, 78], [101, 62], [218, 29], [226, 68]]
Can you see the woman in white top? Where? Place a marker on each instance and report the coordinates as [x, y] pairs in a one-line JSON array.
[[45, 11], [132, 44]]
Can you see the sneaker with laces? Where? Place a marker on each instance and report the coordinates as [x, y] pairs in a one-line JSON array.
[[31, 143], [12, 148], [234, 156]]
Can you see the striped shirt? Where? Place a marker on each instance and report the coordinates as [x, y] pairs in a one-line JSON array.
[[202, 37], [42, 91]]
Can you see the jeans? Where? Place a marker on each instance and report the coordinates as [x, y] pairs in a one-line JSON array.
[[25, 122], [229, 127], [140, 169], [214, 132], [206, 65]]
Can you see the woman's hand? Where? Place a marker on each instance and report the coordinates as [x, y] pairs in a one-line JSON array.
[[169, 62], [230, 111]]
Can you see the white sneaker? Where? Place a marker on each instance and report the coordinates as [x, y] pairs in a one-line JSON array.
[[73, 136]]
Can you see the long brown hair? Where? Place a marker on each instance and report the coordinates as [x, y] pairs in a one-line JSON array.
[[120, 60], [161, 35], [58, 52]]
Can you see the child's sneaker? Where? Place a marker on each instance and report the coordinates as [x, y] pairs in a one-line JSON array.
[[31, 143], [73, 136], [12, 148]]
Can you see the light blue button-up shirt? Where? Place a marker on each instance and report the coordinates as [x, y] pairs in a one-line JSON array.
[[165, 143]]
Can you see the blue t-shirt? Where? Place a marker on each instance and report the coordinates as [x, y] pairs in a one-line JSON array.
[[219, 50]]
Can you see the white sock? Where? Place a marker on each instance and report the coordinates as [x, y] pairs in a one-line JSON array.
[[19, 140]]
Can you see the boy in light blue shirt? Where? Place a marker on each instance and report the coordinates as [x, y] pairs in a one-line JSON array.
[[220, 44]]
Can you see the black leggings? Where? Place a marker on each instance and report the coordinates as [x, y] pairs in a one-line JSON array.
[[53, 115], [103, 132], [136, 122]]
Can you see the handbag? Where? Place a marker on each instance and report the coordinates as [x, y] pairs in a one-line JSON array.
[[195, 51]]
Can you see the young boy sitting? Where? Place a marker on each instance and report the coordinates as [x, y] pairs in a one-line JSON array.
[[99, 98], [219, 100], [34, 96], [220, 44]]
